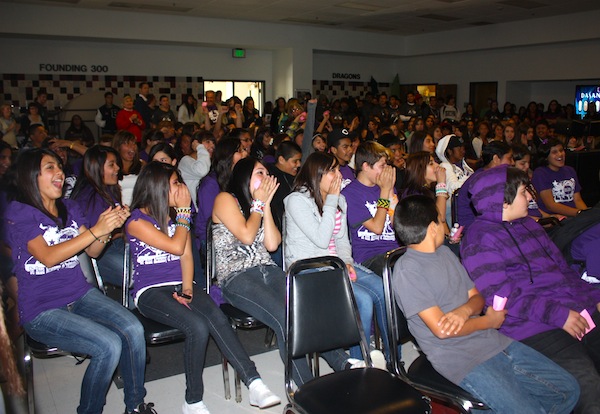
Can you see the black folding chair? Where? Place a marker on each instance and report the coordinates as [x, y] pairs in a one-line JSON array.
[[321, 315], [34, 349], [421, 373]]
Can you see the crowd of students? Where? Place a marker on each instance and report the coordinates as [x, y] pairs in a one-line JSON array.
[[353, 179]]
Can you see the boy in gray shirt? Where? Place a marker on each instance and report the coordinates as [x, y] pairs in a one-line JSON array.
[[443, 309]]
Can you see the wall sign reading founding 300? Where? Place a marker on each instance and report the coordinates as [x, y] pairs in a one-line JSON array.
[[66, 67]]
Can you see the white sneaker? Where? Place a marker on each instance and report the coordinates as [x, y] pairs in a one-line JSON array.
[[261, 396], [378, 359], [356, 363], [195, 408]]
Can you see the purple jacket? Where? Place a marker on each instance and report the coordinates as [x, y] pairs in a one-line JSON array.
[[518, 260]]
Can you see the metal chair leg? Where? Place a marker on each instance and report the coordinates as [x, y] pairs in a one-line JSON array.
[[28, 373], [238, 388], [270, 338], [226, 384]]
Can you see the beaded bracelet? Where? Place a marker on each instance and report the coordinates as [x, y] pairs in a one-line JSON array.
[[183, 210], [186, 217], [440, 186], [257, 206], [185, 226], [101, 241], [383, 203]]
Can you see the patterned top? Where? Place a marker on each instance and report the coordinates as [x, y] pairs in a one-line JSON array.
[[233, 257], [336, 230]]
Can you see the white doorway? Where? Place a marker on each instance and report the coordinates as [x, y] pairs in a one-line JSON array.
[[241, 89]]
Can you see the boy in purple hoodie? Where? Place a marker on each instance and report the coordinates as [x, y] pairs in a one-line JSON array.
[[444, 313], [509, 255]]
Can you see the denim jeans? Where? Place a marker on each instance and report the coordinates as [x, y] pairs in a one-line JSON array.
[[581, 359], [260, 291], [197, 323], [521, 380], [110, 263], [368, 292], [97, 326]]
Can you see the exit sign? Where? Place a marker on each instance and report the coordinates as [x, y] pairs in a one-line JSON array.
[[239, 53]]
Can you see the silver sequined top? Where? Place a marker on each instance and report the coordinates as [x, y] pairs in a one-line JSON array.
[[232, 256]]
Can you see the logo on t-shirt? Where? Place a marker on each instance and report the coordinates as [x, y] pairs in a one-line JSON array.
[[365, 234], [149, 255], [52, 235], [563, 191]]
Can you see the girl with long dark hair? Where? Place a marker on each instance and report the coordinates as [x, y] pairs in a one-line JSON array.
[[56, 304], [244, 233], [159, 235], [96, 190]]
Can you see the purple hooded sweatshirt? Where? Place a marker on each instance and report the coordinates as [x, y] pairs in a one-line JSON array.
[[517, 260]]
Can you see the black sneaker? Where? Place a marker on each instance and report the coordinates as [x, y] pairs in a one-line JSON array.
[[143, 408]]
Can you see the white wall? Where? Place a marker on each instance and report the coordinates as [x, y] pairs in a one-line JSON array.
[[122, 58], [289, 57], [383, 69], [557, 62]]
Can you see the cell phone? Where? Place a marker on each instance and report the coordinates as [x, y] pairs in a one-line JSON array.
[[183, 295]]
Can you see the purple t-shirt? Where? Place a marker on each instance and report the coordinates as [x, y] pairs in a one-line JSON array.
[[362, 206], [207, 192], [563, 184], [347, 175], [152, 266], [92, 204], [42, 288]]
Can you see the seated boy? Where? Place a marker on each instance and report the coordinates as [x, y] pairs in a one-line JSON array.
[[371, 201], [508, 254], [443, 309]]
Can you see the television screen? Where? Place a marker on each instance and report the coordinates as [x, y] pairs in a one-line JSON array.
[[584, 97]]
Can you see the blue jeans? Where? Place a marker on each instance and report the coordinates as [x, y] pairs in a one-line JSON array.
[[197, 323], [368, 292], [97, 326], [110, 263], [521, 380], [260, 292]]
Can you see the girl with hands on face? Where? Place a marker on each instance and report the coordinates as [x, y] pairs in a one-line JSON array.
[[427, 177], [316, 225], [57, 306], [244, 233], [159, 235]]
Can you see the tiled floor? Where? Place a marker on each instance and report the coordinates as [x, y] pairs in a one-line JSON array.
[[57, 384]]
